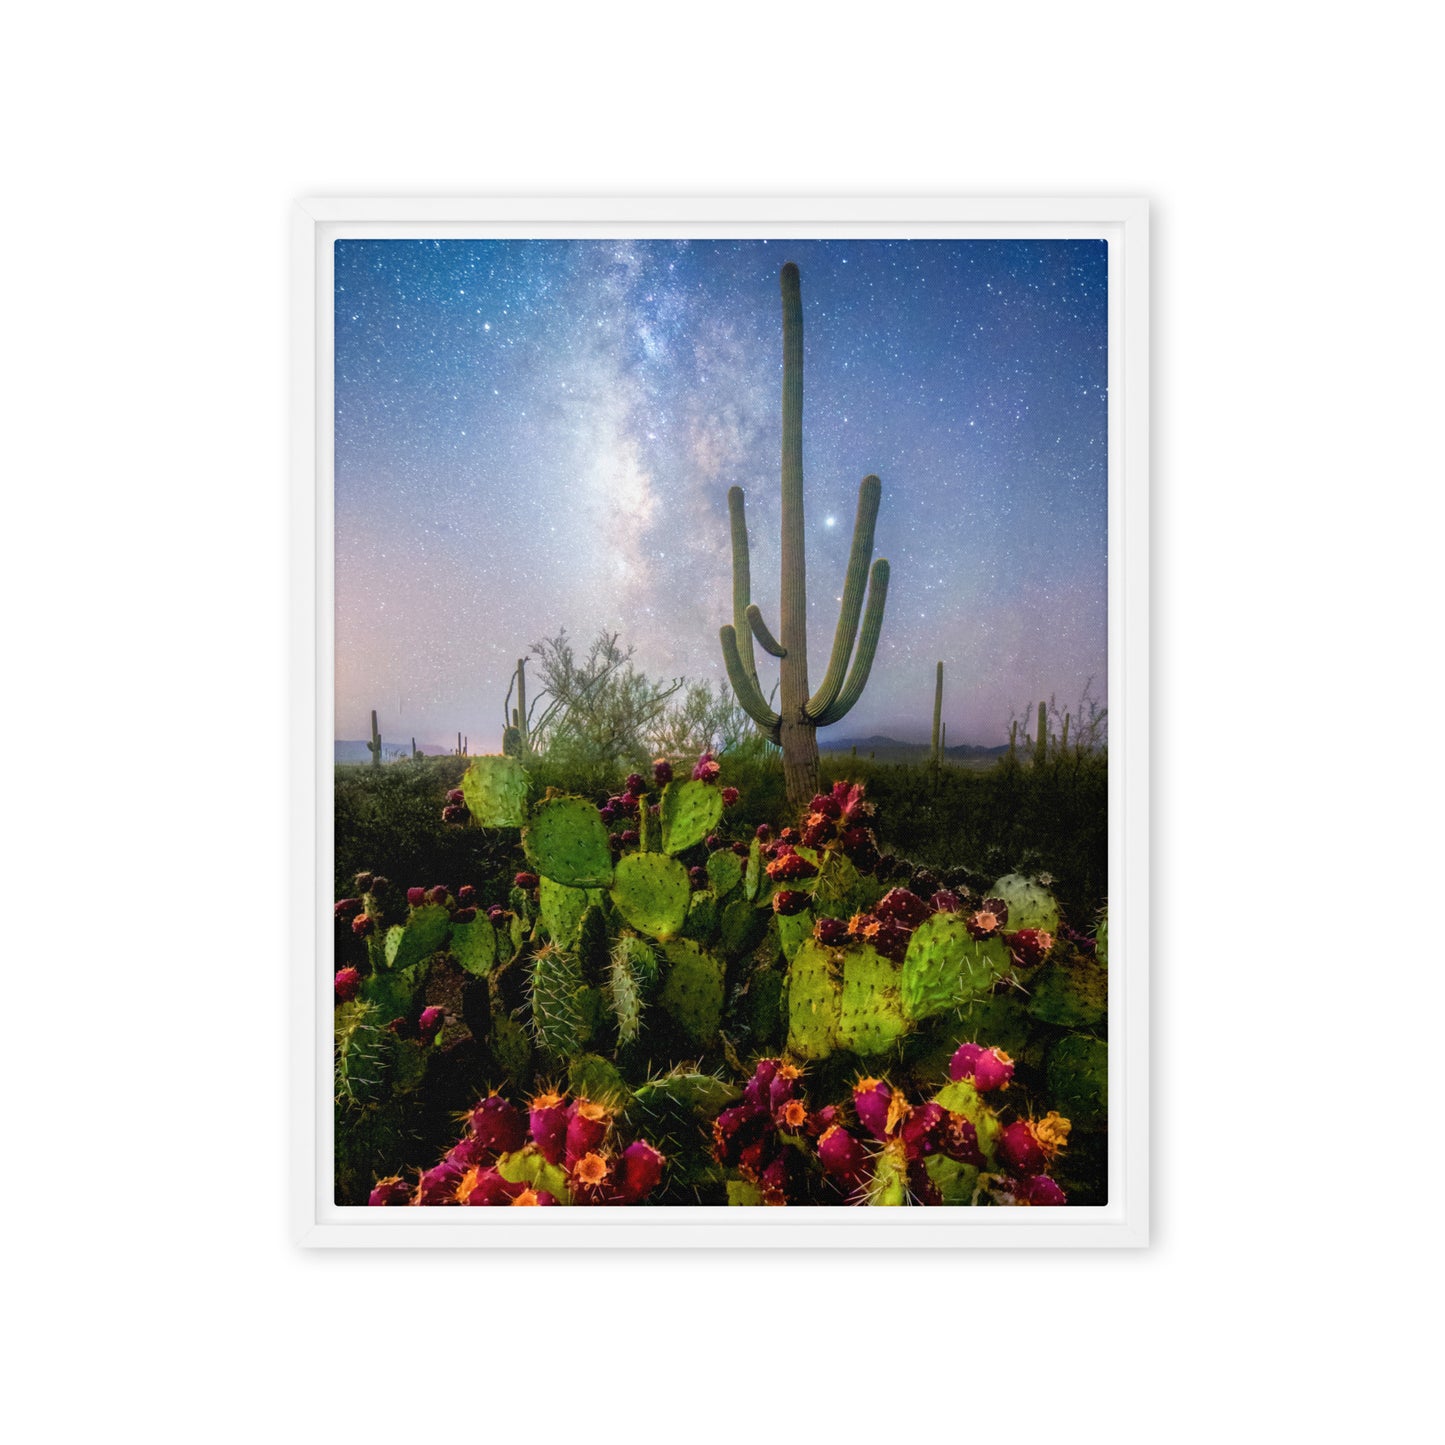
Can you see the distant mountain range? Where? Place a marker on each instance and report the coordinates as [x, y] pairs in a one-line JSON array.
[[360, 752], [889, 750]]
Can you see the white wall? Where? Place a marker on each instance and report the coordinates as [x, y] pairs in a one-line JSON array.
[[153, 152]]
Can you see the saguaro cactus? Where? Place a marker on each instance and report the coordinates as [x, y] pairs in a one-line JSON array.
[[1041, 739], [374, 746], [516, 739], [794, 726], [937, 715]]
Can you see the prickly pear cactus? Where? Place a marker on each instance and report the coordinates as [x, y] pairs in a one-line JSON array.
[[889, 1185], [690, 811], [945, 966], [1070, 994], [1101, 940], [562, 909], [512, 1048], [692, 992], [962, 1098], [754, 877], [702, 917], [632, 971], [424, 932], [724, 872], [559, 1022], [590, 1076], [815, 1001], [495, 790], [741, 927], [1030, 904], [794, 930], [1078, 1079], [474, 945], [652, 892], [565, 840], [870, 1014]]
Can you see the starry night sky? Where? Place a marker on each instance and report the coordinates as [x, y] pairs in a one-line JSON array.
[[532, 435]]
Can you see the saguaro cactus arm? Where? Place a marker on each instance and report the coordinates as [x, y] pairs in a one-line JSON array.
[[937, 713], [870, 490], [745, 685], [766, 640], [867, 647]]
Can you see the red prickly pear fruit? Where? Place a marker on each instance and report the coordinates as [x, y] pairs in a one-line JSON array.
[[861, 849], [788, 835], [842, 1154], [363, 924], [697, 877], [363, 882], [415, 897], [628, 837], [921, 1185], [1029, 946], [429, 1025], [946, 901], [763, 833], [712, 842], [736, 1130], [439, 1184], [437, 894], [661, 771], [627, 803], [590, 1173], [902, 906], [774, 1181], [989, 918], [828, 804], [499, 1124], [496, 913], [467, 1151], [923, 1130], [1019, 1150], [925, 883], [379, 885], [639, 1171], [741, 849], [788, 902], [960, 1141], [830, 932], [347, 908], [586, 1125], [484, 1186], [534, 1197], [608, 814], [547, 1119], [964, 1061], [891, 940], [455, 813], [394, 1190], [466, 895], [706, 770], [1041, 1190], [873, 1101], [455, 795], [816, 834], [464, 915], [635, 784], [347, 983], [992, 1070], [824, 1119], [791, 1116], [755, 1091], [729, 797], [525, 880], [782, 1086]]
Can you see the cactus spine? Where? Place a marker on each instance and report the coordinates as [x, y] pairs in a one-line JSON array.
[[374, 746], [794, 727]]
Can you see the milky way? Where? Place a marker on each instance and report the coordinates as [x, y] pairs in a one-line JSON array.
[[538, 435]]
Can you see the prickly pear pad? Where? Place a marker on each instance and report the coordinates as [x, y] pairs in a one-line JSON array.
[[690, 811], [704, 1094], [527, 1166], [590, 1076], [495, 789], [742, 926], [754, 877], [692, 992], [870, 1017], [474, 945], [652, 892], [424, 932], [794, 929], [562, 909], [724, 871], [1078, 1079], [1073, 995], [1030, 904], [945, 966], [815, 1002], [565, 840]]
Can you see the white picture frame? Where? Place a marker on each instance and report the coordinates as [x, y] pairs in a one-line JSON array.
[[1124, 224]]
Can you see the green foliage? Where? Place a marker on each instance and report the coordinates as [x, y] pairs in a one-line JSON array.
[[652, 892], [565, 840], [495, 791], [690, 811]]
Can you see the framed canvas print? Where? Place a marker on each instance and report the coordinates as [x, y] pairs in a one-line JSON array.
[[721, 722]]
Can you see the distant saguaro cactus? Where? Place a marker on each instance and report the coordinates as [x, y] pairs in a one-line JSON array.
[[1041, 740], [516, 738], [794, 727], [938, 715], [374, 746]]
